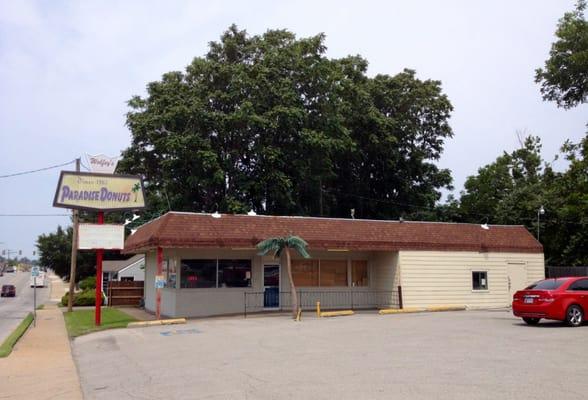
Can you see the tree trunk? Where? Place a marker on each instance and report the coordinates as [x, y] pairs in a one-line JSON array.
[[293, 293]]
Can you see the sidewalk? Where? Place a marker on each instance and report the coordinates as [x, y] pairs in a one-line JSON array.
[[41, 365]]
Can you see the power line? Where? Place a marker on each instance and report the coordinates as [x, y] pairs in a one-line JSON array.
[[35, 215], [459, 212], [37, 170], [84, 165]]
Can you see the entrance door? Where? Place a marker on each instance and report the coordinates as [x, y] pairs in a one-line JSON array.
[[517, 277], [271, 286]]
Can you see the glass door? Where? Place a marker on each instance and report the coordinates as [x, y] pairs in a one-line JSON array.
[[271, 286]]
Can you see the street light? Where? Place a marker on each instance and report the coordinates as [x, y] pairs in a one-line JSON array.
[[540, 212]]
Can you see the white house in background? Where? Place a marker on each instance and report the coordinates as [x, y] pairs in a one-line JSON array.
[[132, 269]]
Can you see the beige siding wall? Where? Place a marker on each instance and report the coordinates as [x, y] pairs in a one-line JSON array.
[[430, 278], [134, 271]]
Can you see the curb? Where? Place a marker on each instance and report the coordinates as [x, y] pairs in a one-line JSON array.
[[158, 322], [445, 308], [7, 346], [416, 310], [336, 313]]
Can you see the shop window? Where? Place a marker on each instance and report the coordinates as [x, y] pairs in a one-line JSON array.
[[359, 273], [234, 273], [198, 274], [305, 272], [479, 280], [333, 273]]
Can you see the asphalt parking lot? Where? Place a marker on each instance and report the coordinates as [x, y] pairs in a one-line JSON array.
[[448, 355]]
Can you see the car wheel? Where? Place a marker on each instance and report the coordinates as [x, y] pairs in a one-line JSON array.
[[532, 321], [574, 315]]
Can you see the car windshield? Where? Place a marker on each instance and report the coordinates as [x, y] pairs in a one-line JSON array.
[[548, 284]]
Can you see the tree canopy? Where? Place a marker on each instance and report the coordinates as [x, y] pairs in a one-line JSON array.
[[269, 123], [55, 252], [516, 185], [564, 78]]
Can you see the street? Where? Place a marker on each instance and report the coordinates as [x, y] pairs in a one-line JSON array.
[[450, 355], [14, 309]]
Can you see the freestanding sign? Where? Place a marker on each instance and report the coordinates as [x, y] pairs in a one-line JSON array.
[[99, 192], [102, 163], [35, 274], [94, 236]]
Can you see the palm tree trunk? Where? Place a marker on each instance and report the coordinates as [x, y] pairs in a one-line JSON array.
[[293, 293]]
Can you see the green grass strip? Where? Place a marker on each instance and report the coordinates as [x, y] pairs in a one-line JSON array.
[[6, 347], [81, 322]]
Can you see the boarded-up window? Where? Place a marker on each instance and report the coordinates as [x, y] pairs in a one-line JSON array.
[[333, 273], [305, 272], [359, 273]]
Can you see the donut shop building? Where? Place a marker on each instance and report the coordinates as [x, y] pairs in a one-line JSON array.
[[210, 265]]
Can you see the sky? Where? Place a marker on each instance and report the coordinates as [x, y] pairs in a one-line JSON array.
[[68, 68]]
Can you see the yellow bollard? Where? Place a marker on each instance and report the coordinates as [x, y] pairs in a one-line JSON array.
[[318, 309], [299, 315]]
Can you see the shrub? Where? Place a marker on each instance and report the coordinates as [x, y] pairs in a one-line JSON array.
[[84, 298], [88, 283]]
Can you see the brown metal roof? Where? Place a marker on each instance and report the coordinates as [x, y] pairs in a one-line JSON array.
[[193, 230]]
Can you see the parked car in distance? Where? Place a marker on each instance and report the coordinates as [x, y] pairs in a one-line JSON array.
[[10, 269], [561, 299], [8, 291]]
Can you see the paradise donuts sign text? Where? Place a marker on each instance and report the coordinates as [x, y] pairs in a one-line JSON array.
[[99, 192]]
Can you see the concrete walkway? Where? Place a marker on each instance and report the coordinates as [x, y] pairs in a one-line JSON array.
[[137, 313], [41, 365]]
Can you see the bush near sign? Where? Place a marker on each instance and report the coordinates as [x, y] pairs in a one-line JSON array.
[[99, 192]]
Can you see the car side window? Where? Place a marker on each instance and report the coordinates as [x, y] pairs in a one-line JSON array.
[[582, 284]]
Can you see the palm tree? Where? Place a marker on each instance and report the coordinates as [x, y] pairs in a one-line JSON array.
[[135, 189], [277, 245]]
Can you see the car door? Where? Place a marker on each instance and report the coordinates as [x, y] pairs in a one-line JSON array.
[[579, 290]]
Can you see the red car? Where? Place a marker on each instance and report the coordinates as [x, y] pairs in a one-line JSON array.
[[562, 299]]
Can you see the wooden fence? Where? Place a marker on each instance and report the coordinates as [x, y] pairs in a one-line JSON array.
[[557, 271], [125, 293]]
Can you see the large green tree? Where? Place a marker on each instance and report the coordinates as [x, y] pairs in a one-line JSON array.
[[55, 252], [508, 190], [564, 78], [513, 188], [269, 122]]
